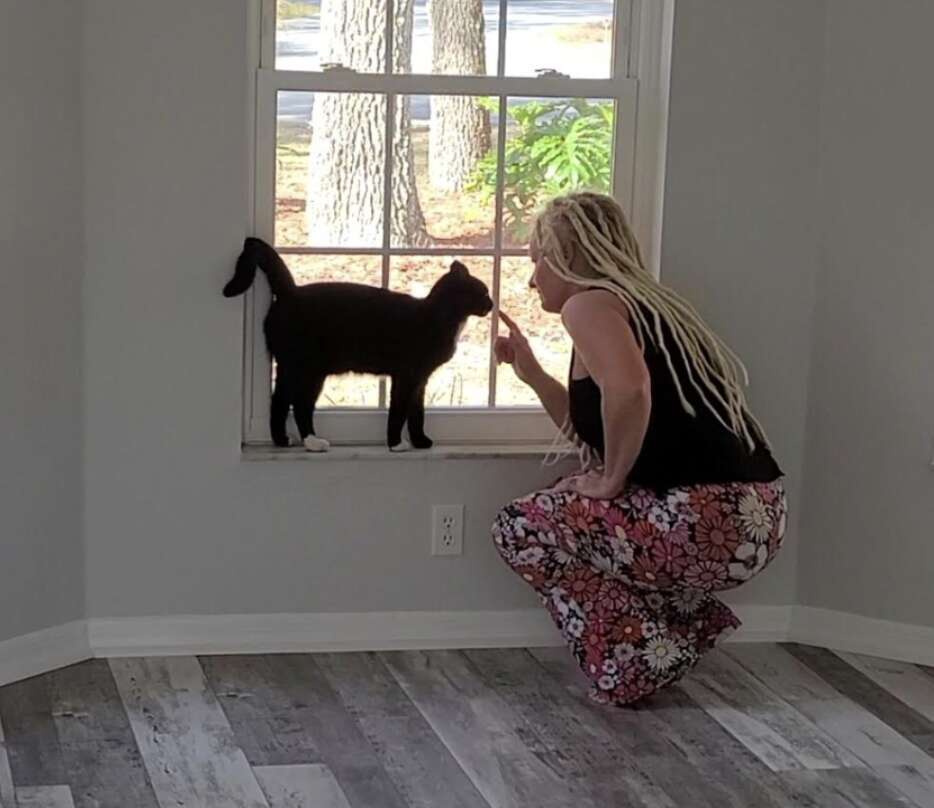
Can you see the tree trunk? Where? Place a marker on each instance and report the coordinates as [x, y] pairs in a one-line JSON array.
[[407, 224], [460, 128], [344, 206]]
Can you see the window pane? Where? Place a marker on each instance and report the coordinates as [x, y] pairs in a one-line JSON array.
[[452, 37], [553, 146], [366, 269], [329, 169], [545, 333], [457, 37], [574, 37], [313, 33], [444, 171], [465, 380], [341, 391]]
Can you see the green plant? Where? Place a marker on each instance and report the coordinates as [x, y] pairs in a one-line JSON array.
[[552, 148]]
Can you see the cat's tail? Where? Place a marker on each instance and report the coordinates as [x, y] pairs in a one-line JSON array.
[[257, 253]]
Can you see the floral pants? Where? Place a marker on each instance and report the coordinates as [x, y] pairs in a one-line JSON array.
[[629, 581]]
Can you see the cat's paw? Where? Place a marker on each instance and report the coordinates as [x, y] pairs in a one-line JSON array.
[[292, 431], [422, 442], [313, 443], [401, 446]]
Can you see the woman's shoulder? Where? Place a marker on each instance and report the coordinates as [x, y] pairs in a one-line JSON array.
[[585, 305]]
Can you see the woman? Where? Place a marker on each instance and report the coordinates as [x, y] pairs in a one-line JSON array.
[[679, 496]]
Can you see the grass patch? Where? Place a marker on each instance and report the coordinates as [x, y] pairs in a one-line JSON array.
[[297, 9], [586, 32]]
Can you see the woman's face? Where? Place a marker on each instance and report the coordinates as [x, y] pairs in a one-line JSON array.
[[553, 292]]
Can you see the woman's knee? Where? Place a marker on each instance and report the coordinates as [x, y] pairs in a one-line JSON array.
[[508, 536]]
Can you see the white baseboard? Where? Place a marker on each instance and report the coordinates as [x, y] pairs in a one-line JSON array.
[[45, 650], [280, 633], [63, 645], [762, 623], [363, 631], [842, 631]]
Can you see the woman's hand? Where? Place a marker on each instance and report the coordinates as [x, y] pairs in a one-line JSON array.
[[592, 484], [515, 350]]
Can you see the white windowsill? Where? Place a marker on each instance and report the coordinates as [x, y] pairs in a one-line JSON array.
[[263, 453]]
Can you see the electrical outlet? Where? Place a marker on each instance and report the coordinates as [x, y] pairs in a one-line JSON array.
[[447, 530]]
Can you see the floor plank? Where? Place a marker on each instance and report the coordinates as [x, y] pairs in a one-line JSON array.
[[102, 761], [924, 741], [600, 768], [854, 727], [187, 744], [717, 753], [916, 783], [69, 727], [6, 776], [679, 747], [767, 725], [895, 758], [261, 714], [295, 682], [484, 735], [860, 688], [844, 788], [34, 754], [308, 786], [414, 757], [44, 797], [904, 681]]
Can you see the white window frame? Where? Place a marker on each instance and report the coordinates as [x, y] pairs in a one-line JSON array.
[[639, 87]]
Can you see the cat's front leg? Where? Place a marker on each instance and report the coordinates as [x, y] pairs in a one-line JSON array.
[[306, 397], [291, 429], [416, 421], [400, 398]]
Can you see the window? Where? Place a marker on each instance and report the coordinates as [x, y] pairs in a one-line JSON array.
[[393, 136]]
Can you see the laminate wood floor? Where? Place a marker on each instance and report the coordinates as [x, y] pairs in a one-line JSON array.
[[755, 726]]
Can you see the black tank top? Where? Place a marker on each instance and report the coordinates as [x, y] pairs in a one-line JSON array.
[[679, 449]]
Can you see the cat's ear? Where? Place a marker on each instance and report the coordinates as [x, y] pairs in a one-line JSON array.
[[457, 268]]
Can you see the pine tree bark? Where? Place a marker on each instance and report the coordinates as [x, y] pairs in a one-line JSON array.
[[460, 128], [344, 206]]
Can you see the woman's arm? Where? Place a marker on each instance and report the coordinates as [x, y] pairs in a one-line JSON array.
[[553, 395], [606, 344], [516, 351]]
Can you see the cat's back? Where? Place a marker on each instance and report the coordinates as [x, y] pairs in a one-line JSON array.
[[334, 309], [351, 299]]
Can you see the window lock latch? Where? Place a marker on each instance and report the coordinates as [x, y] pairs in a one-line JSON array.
[[550, 73], [336, 67]]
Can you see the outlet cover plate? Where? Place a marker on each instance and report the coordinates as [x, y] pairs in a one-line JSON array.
[[447, 530]]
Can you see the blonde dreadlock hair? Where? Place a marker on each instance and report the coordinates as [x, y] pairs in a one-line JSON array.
[[608, 257]]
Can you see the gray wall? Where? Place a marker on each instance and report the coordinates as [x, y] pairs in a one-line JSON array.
[[175, 521], [870, 503], [41, 568], [740, 232]]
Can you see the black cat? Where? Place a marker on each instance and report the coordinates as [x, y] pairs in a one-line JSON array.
[[320, 329]]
